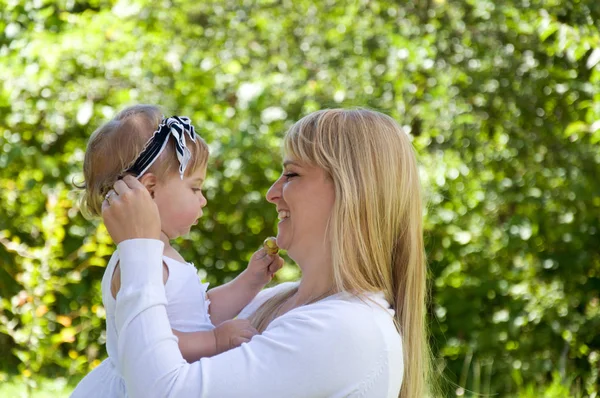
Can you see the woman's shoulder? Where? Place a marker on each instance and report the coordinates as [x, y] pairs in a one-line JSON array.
[[345, 303], [351, 333], [358, 318]]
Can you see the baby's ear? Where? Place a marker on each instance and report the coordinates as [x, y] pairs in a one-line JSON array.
[[149, 180]]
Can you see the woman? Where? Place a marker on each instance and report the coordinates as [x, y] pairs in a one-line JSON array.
[[350, 214]]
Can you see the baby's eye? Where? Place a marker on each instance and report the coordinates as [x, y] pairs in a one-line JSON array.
[[196, 189]]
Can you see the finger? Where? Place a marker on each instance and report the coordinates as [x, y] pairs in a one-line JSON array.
[[110, 195], [249, 330], [120, 187], [269, 259], [242, 323], [247, 334], [105, 206], [275, 265], [260, 254], [237, 341], [133, 182], [253, 331]]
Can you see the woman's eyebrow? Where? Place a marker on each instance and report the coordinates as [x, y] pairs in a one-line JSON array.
[[290, 162]]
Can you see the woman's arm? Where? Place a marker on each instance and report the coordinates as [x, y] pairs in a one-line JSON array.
[[318, 350], [115, 282]]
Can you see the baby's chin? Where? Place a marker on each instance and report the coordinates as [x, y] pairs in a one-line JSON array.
[[179, 234]]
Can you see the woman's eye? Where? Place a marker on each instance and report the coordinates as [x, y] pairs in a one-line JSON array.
[[290, 175]]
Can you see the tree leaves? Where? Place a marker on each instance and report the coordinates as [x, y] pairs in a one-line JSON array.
[[501, 102]]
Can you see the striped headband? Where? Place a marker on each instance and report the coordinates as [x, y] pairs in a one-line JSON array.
[[177, 127]]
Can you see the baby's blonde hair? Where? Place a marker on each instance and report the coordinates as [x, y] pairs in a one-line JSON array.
[[376, 227], [114, 146]]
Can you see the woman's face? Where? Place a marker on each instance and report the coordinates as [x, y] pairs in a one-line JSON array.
[[304, 196]]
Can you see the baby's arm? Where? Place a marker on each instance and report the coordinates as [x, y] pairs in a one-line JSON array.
[[196, 345], [228, 335], [226, 301]]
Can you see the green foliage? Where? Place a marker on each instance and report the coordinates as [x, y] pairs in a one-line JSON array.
[[502, 102], [559, 388], [40, 388]]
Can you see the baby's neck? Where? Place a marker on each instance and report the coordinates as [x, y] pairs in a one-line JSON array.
[[169, 251], [165, 239]]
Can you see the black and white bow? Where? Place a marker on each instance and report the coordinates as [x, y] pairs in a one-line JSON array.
[[176, 126]]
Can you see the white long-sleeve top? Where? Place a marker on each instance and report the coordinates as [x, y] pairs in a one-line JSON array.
[[341, 346]]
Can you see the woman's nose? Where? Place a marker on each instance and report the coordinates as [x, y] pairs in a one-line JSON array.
[[274, 193]]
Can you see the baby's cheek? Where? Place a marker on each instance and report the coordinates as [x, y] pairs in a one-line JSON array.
[[189, 213]]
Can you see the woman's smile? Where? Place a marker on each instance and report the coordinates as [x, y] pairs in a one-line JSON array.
[[283, 215]]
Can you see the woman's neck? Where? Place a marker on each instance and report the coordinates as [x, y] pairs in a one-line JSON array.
[[316, 283]]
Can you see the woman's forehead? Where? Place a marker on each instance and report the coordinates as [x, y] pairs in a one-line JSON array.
[[291, 161]]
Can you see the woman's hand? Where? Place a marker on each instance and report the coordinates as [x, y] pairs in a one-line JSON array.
[[129, 212]]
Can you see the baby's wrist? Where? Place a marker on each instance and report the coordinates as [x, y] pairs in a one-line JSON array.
[[214, 342], [252, 282]]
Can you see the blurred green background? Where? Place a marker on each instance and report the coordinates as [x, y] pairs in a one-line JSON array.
[[501, 100]]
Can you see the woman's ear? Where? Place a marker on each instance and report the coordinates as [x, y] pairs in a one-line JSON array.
[[150, 181]]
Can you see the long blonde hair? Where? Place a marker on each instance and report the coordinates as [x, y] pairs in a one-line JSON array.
[[378, 198]]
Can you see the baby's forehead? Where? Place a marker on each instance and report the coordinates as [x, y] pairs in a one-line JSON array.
[[198, 174]]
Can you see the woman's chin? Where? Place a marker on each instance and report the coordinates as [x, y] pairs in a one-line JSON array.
[[282, 243]]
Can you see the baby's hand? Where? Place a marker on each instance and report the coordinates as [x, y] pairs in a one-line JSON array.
[[233, 333], [262, 267]]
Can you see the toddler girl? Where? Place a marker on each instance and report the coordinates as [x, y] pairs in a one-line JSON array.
[[170, 160]]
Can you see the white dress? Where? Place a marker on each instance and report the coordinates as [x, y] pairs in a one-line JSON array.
[[187, 310]]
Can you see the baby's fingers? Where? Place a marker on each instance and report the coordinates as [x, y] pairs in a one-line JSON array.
[[238, 340], [248, 333], [260, 255], [243, 336], [275, 265], [244, 327]]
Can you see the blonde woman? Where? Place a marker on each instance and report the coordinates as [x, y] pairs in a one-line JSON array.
[[349, 205]]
